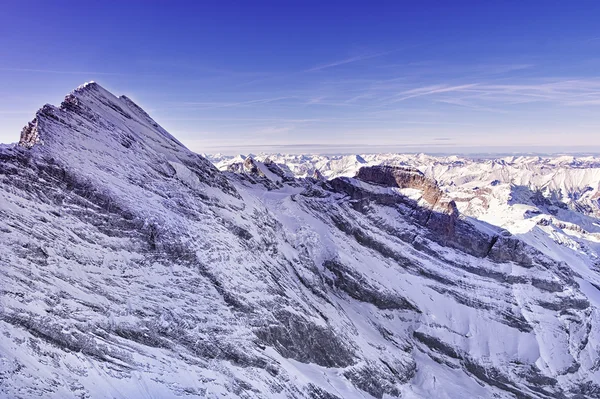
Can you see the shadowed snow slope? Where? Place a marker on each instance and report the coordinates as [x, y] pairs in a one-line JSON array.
[[133, 268]]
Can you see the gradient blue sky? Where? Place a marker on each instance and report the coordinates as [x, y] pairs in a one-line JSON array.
[[252, 75]]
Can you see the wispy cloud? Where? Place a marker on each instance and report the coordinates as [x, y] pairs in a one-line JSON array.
[[274, 130], [584, 102], [459, 71], [15, 112], [252, 120], [429, 90], [592, 39], [558, 91], [213, 105], [60, 72], [189, 66], [503, 68], [466, 104], [348, 61], [493, 97], [363, 102]]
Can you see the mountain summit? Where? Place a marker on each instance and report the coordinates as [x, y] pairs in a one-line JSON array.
[[132, 267]]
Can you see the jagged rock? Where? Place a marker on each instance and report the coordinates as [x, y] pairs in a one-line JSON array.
[[29, 135], [300, 339], [318, 175], [274, 168], [249, 166]]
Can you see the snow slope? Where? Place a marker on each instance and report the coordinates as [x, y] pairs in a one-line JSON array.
[[133, 268]]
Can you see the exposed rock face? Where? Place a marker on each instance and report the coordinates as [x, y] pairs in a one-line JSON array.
[[131, 267], [318, 175], [297, 338], [393, 176], [248, 166], [274, 168], [29, 135], [251, 168], [359, 288], [267, 173]]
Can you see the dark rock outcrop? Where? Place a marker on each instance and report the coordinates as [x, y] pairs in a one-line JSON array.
[[393, 176]]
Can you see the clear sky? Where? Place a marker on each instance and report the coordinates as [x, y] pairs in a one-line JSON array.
[[250, 75]]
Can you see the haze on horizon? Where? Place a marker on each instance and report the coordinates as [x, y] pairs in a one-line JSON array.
[[439, 77]]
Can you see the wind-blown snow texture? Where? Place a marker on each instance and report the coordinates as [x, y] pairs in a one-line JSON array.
[[133, 268]]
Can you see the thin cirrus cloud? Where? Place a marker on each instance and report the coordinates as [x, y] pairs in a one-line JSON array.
[[51, 71], [295, 74], [348, 61], [370, 103], [455, 99], [430, 90], [476, 95], [561, 91], [214, 105], [477, 107]]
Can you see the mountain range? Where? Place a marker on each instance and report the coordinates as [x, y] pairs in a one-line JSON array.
[[133, 267]]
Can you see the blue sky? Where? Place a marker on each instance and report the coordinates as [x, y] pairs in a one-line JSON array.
[[433, 76]]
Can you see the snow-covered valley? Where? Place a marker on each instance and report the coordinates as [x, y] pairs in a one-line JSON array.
[[132, 267]]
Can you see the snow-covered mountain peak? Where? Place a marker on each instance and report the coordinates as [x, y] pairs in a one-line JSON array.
[[131, 267], [116, 145], [87, 85], [90, 107]]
